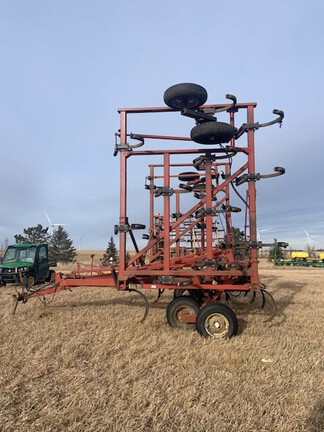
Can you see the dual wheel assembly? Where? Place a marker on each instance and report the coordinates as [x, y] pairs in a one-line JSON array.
[[214, 320], [189, 96]]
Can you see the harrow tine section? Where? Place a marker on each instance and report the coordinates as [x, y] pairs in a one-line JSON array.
[[15, 305]]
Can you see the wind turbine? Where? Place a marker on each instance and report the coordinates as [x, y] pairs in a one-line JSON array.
[[79, 241], [309, 237], [52, 225], [260, 231]]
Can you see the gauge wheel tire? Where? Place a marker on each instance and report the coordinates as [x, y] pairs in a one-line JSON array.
[[217, 321], [185, 95], [188, 176], [30, 281], [178, 309], [212, 132]]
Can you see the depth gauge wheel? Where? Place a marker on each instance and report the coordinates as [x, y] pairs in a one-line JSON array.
[[179, 310], [212, 132], [216, 320], [185, 95]]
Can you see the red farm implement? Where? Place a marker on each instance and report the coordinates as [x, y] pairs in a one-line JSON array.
[[201, 240]]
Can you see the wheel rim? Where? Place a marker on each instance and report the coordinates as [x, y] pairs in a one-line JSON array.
[[30, 281], [181, 103], [217, 325], [183, 312]]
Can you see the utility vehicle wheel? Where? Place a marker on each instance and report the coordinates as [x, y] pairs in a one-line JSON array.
[[212, 132], [30, 281], [216, 320], [185, 95], [179, 310]]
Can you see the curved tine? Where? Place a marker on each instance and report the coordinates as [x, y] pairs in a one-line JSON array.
[[160, 292], [227, 107], [263, 299], [138, 138], [147, 306], [253, 297], [279, 119], [278, 171], [227, 296], [274, 303], [15, 306]]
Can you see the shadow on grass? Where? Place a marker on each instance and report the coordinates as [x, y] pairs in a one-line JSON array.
[[286, 293], [272, 304], [315, 421]]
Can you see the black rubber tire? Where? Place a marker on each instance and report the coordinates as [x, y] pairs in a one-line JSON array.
[[185, 95], [176, 306], [188, 176], [195, 294], [30, 280], [212, 132], [225, 325]]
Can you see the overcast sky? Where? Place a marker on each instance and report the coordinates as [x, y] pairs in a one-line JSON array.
[[67, 65]]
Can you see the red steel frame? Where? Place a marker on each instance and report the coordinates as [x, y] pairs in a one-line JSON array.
[[162, 263], [141, 271]]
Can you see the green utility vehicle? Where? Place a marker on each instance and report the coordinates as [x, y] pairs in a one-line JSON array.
[[27, 260]]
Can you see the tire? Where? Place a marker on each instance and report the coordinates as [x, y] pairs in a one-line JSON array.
[[194, 294], [188, 176], [216, 320], [30, 281], [212, 132], [180, 307], [185, 95]]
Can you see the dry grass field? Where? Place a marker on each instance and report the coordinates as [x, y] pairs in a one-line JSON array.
[[83, 363]]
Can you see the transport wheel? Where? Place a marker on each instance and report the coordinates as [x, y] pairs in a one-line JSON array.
[[185, 95], [216, 320], [179, 309], [212, 132], [196, 295]]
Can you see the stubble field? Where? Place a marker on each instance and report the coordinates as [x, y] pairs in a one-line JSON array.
[[84, 363]]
